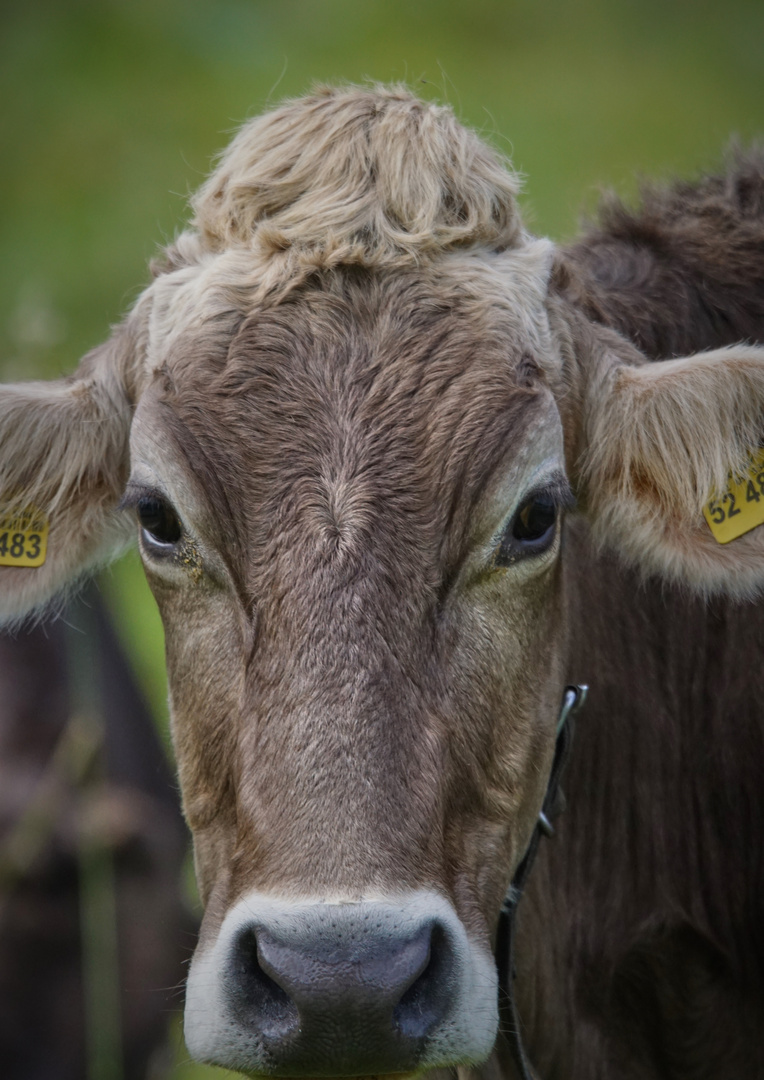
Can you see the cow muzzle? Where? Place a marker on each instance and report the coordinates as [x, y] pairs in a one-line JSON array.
[[341, 989]]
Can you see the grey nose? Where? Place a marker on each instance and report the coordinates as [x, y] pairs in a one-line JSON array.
[[340, 996]]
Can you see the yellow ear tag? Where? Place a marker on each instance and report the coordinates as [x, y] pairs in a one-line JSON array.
[[23, 538], [741, 506]]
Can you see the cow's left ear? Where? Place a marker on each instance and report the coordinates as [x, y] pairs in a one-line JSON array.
[[660, 441]]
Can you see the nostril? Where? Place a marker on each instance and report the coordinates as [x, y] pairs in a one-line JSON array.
[[259, 1002], [425, 1002]]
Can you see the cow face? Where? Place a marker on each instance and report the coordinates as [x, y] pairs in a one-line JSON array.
[[356, 416], [351, 520]]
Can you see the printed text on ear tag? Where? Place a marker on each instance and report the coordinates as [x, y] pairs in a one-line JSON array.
[[23, 538], [740, 507]]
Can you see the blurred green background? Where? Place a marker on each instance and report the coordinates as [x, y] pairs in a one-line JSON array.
[[112, 111]]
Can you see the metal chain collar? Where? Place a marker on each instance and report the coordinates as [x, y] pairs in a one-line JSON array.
[[572, 699]]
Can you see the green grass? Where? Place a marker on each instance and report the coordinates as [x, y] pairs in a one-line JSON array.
[[111, 113]]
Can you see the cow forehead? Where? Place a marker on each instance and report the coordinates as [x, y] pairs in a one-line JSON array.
[[355, 377], [204, 297]]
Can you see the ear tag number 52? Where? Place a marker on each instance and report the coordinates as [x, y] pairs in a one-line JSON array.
[[23, 538], [740, 507]]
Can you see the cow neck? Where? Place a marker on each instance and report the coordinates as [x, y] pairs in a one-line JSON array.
[[554, 803]]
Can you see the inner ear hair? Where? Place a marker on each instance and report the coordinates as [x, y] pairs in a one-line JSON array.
[[62, 438], [662, 438], [64, 452], [672, 432]]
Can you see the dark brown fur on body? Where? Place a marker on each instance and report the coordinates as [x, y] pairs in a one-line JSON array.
[[642, 949], [685, 270]]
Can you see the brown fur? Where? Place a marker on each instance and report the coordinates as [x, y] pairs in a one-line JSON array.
[[642, 951], [347, 378], [683, 272], [354, 513]]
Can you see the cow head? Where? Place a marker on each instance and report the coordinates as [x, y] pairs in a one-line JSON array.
[[357, 416]]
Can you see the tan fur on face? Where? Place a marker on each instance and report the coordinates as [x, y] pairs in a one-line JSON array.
[[368, 177], [374, 176]]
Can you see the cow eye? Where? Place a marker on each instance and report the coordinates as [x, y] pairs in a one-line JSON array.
[[531, 531], [534, 519], [159, 522]]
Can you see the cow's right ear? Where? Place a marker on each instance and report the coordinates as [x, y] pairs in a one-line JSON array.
[[659, 441], [64, 459]]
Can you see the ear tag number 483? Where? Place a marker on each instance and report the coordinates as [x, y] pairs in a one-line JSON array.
[[23, 539], [740, 507]]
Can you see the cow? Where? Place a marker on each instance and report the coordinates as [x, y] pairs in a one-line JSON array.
[[94, 926], [402, 471]]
